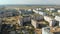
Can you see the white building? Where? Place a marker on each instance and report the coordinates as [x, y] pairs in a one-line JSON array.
[[50, 9], [58, 11], [38, 8], [50, 20], [53, 23], [35, 20], [58, 19], [35, 11], [37, 24], [46, 30], [40, 12]]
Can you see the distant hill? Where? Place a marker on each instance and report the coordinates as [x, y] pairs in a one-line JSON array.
[[29, 6]]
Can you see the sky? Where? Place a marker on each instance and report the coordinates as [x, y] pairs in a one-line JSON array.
[[40, 2]]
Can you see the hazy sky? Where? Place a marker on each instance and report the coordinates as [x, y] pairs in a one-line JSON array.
[[55, 2]]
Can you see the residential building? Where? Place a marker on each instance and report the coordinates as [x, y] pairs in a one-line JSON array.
[[50, 20], [58, 19], [51, 9], [58, 11], [30, 10], [54, 23], [8, 13], [40, 12], [38, 23], [25, 20], [46, 30], [47, 9], [23, 11], [54, 14], [34, 23], [38, 9]]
